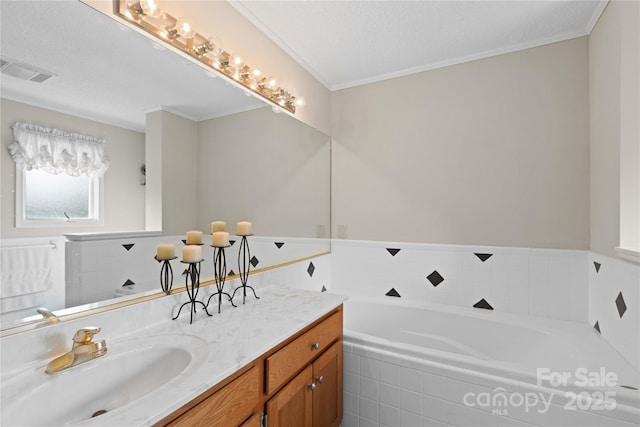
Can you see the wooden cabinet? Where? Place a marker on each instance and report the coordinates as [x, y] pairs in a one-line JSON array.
[[327, 396], [314, 397], [254, 421], [230, 406], [285, 362], [296, 384], [293, 406]]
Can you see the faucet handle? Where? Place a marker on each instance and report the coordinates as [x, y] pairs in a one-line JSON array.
[[85, 335]]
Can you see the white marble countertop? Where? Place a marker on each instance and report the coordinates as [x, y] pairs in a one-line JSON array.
[[235, 337]]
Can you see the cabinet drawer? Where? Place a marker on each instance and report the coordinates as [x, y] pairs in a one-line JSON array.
[[281, 366], [229, 406]]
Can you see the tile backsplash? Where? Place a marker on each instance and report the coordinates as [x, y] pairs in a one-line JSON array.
[[614, 299], [542, 282], [101, 269]]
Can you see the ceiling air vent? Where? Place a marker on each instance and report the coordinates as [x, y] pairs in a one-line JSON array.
[[23, 71]]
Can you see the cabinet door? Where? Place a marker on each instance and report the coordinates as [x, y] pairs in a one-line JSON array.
[[292, 406], [254, 421], [229, 406], [327, 397]]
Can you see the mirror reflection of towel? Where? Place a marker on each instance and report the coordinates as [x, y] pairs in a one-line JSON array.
[[25, 272]]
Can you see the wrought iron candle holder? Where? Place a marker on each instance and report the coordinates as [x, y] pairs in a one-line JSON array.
[[166, 274], [244, 265], [219, 273], [192, 284]]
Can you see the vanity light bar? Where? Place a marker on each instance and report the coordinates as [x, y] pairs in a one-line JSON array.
[[180, 34]]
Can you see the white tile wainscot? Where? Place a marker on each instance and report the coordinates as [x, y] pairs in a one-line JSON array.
[[387, 390], [614, 303], [541, 282]]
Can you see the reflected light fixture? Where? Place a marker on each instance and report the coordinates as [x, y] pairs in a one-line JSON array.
[[179, 33]]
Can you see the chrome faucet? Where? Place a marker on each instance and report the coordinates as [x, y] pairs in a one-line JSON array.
[[83, 350]]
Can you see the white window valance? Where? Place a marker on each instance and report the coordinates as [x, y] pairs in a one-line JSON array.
[[56, 151]]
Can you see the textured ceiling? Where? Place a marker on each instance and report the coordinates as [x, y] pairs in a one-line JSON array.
[[348, 43]]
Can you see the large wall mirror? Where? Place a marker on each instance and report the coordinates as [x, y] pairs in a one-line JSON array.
[[109, 81]]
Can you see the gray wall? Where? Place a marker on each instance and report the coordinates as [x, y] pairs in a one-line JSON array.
[[492, 152], [124, 198]]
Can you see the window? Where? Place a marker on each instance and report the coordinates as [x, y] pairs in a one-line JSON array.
[[59, 177], [44, 199]]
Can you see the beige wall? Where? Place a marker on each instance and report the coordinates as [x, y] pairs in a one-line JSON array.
[[172, 171], [613, 84], [267, 168], [630, 125], [123, 194], [492, 152]]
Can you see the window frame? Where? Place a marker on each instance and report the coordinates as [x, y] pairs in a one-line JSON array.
[[96, 206]]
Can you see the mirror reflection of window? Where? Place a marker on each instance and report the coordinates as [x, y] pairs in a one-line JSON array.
[[59, 176], [59, 196]]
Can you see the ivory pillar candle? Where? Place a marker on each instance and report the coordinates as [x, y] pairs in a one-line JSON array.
[[192, 253], [194, 237], [243, 228], [166, 251], [220, 239], [218, 226]]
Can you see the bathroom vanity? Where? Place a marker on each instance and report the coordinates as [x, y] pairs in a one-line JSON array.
[[298, 382], [275, 361]]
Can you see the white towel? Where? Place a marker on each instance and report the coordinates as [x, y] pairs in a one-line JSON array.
[[25, 270], [22, 302]]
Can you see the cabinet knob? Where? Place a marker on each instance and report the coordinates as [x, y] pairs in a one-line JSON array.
[[320, 379], [312, 386], [315, 345]]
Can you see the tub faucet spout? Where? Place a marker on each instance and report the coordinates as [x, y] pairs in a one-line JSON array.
[[48, 314], [83, 350]]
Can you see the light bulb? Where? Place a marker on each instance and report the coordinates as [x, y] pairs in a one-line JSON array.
[[237, 60], [150, 8], [256, 72], [184, 28], [300, 102], [272, 84]]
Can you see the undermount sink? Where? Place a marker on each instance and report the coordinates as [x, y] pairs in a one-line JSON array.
[[129, 371]]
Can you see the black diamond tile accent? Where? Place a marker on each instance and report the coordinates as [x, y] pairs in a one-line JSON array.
[[393, 293], [254, 261], [279, 244], [597, 266], [323, 289], [435, 278], [129, 282], [483, 304], [128, 246], [596, 326], [311, 269], [230, 273], [392, 251], [622, 307], [630, 387], [483, 257], [184, 241], [231, 242]]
